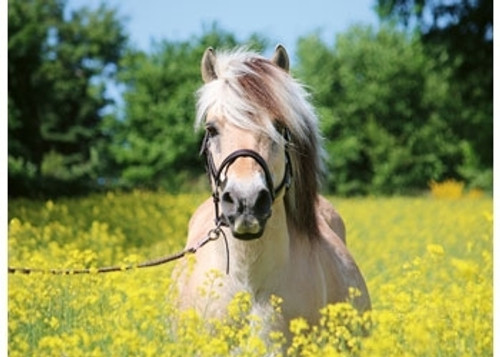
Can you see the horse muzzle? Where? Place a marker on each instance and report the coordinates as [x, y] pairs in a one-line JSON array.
[[246, 214], [244, 208]]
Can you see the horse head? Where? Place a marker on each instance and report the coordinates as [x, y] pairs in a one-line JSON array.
[[249, 169]]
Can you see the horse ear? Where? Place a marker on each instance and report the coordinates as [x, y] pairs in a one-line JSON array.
[[208, 65], [280, 58]]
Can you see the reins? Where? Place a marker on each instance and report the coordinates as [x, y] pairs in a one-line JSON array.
[[212, 235]]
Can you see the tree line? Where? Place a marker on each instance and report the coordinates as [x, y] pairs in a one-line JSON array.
[[400, 105]]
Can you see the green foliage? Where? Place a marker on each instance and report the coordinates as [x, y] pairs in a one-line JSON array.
[[57, 72], [155, 141], [398, 110], [460, 32], [385, 108]]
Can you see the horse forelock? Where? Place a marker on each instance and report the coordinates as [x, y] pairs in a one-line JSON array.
[[248, 85]]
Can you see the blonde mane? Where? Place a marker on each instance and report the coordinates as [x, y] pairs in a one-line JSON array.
[[248, 85]]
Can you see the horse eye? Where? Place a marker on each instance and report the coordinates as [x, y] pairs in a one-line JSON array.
[[211, 130]]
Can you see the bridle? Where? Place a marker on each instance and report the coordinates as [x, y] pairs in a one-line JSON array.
[[214, 173]]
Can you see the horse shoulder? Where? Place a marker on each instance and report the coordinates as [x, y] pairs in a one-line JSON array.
[[188, 273], [339, 267], [327, 213]]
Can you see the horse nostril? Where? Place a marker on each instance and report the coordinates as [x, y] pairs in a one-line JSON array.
[[227, 198], [263, 203]]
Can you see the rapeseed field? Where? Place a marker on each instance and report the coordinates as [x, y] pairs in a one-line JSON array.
[[427, 262]]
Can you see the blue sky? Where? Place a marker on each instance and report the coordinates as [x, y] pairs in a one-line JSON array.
[[279, 21]]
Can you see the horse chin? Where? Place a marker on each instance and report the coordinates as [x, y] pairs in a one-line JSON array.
[[247, 227]]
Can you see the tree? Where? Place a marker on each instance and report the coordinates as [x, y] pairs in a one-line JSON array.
[[384, 106], [58, 70], [461, 32], [155, 144]]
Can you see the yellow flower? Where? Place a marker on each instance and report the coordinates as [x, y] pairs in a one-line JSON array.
[[428, 264], [54, 322], [435, 250], [447, 189]]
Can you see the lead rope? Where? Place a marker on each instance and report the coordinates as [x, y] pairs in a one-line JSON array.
[[212, 235]]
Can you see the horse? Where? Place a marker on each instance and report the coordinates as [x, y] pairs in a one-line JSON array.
[[264, 160]]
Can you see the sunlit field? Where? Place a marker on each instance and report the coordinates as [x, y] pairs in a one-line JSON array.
[[427, 262]]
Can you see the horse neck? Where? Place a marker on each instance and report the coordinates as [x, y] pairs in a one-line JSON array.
[[255, 263]]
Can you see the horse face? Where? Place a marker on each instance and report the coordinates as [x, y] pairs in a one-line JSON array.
[[245, 190]]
